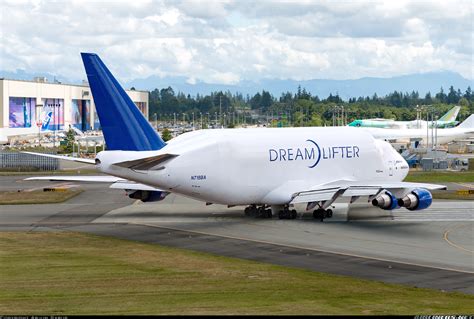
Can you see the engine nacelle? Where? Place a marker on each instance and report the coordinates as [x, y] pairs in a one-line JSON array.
[[147, 196], [417, 199], [385, 200]]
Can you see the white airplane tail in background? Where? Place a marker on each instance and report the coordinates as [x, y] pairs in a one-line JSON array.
[[468, 123], [451, 115]]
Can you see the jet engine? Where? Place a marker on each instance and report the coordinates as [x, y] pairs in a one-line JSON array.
[[147, 196], [385, 200], [417, 199]]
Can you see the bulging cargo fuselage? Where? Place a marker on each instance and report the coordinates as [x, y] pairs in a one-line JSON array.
[[261, 166]]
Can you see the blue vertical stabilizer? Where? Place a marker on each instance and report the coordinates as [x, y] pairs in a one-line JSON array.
[[124, 126]]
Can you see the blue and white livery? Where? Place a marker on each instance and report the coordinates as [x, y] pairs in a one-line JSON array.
[[266, 169]]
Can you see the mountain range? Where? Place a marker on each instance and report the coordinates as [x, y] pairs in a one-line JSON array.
[[367, 86]]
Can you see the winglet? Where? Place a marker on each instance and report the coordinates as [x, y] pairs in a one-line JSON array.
[[124, 126]]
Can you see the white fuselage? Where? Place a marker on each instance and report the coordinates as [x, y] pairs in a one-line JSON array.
[[262, 166], [415, 124], [442, 136]]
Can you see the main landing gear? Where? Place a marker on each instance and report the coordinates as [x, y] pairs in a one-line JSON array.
[[287, 213], [321, 213], [264, 211], [261, 211]]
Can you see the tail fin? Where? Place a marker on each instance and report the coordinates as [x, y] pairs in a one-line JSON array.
[[468, 123], [124, 126], [451, 115]]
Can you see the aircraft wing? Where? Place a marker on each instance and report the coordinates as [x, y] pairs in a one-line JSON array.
[[331, 191]]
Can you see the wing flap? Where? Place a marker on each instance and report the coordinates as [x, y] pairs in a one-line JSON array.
[[315, 195], [361, 191]]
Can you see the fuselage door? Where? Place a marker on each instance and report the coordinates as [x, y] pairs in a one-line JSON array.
[[390, 168]]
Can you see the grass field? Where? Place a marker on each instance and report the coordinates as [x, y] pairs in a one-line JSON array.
[[440, 177], [37, 197], [72, 273], [451, 195]]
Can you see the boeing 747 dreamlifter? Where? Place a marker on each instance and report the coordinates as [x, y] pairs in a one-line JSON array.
[[266, 169]]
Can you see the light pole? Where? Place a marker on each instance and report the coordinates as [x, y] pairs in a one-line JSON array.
[[39, 122], [427, 130], [200, 114], [220, 110]]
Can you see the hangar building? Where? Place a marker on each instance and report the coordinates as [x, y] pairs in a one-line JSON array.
[[26, 104]]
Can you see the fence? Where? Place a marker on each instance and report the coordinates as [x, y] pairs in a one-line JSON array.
[[14, 161]]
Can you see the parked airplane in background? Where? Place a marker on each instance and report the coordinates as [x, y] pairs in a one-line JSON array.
[[263, 168], [447, 120], [442, 136]]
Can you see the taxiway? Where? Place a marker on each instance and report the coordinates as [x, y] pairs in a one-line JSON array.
[[432, 248]]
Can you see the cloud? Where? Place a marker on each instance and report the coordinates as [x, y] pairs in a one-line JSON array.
[[231, 41]]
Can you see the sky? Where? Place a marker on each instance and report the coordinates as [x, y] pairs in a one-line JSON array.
[[227, 42]]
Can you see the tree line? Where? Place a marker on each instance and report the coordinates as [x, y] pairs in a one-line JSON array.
[[303, 108]]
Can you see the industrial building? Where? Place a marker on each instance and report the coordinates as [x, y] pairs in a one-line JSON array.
[[27, 106]]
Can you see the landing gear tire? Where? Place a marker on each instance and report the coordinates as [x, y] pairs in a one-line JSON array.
[[281, 214], [322, 213], [259, 212], [251, 210], [318, 213], [287, 214], [293, 214], [268, 213], [247, 211], [329, 213]]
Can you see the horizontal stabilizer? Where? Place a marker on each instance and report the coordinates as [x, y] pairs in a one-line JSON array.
[[95, 179], [66, 158], [146, 163], [117, 182]]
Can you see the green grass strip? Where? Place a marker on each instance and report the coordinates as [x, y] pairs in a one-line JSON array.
[[37, 197], [72, 273]]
